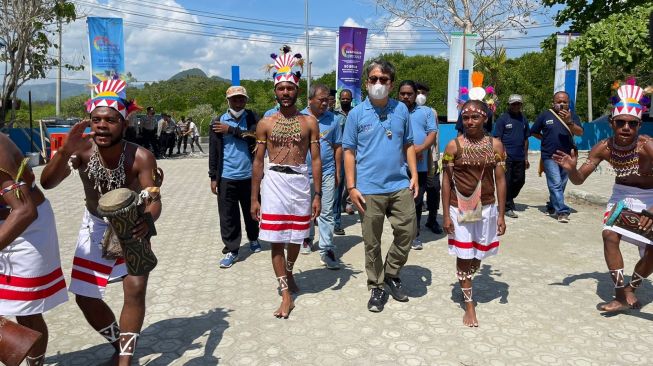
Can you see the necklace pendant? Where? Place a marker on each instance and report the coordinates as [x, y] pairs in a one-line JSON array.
[[388, 133]]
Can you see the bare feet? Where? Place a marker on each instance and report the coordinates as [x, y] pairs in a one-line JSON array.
[[614, 305], [286, 306], [631, 299], [469, 319], [292, 285]]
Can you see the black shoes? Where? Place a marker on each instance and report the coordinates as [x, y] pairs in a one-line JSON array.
[[377, 300], [435, 227], [339, 231], [395, 289]]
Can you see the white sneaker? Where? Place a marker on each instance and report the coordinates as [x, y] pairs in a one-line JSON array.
[[417, 244], [306, 247]]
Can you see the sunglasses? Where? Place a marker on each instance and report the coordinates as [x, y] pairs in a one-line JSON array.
[[374, 79], [475, 117], [620, 123]]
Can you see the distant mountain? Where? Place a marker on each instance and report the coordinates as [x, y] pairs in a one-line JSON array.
[[197, 73], [46, 92], [189, 73]]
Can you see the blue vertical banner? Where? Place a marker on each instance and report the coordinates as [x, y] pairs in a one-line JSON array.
[[235, 75], [351, 59], [565, 80], [107, 50]]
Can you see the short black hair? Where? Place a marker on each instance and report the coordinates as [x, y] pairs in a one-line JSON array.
[[385, 66], [409, 83], [315, 88], [150, 108], [333, 92], [561, 92], [346, 91], [421, 86]]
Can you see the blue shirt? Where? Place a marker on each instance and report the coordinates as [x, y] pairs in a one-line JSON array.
[[380, 160], [422, 122], [330, 136], [554, 135], [271, 112], [513, 131], [237, 161]]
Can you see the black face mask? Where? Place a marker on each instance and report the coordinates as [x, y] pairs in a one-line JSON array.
[[346, 106]]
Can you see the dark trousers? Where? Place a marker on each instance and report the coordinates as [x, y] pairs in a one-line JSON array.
[[433, 197], [338, 200], [183, 138], [231, 193], [167, 142], [150, 141], [515, 179], [419, 200]]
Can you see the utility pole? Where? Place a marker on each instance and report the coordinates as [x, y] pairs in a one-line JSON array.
[[308, 54], [58, 84], [589, 94]]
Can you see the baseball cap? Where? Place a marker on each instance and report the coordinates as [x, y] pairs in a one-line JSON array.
[[232, 91], [514, 98]]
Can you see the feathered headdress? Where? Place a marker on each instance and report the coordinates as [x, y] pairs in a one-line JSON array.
[[477, 92], [284, 64], [630, 99], [107, 95]]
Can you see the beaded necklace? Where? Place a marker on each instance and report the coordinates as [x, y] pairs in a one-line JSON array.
[[476, 152], [103, 176], [624, 159], [286, 132]]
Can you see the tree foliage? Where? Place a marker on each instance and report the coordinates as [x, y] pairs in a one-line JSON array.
[[616, 46], [581, 14], [25, 31]]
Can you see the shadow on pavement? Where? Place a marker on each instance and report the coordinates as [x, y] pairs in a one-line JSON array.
[[605, 291], [163, 342], [415, 280], [319, 279], [486, 288]]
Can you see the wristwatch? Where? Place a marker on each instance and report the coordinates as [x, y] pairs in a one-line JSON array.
[[350, 188], [318, 194]]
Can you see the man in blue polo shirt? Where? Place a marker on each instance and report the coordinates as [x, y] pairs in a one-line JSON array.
[[422, 122], [230, 170], [378, 143], [331, 156], [513, 131], [556, 128]]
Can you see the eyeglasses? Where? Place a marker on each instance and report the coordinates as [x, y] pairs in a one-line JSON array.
[[475, 117], [374, 79], [620, 123]]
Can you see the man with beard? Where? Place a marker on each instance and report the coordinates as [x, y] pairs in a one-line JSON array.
[[106, 162], [631, 158], [379, 151], [285, 210], [31, 280], [341, 196]]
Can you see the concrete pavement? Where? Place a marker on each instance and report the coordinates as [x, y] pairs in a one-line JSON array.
[[536, 299]]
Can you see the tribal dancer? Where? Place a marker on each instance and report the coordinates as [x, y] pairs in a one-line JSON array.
[[631, 157], [285, 209], [31, 280], [106, 162], [474, 171]]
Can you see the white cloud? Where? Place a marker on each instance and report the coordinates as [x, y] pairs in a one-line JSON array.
[[152, 54]]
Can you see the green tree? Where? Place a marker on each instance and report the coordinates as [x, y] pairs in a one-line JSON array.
[[581, 14], [616, 46], [25, 31]]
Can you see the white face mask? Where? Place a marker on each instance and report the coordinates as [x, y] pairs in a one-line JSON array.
[[420, 99], [237, 114], [378, 91]]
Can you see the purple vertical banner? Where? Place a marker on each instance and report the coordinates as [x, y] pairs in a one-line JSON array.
[[351, 58]]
